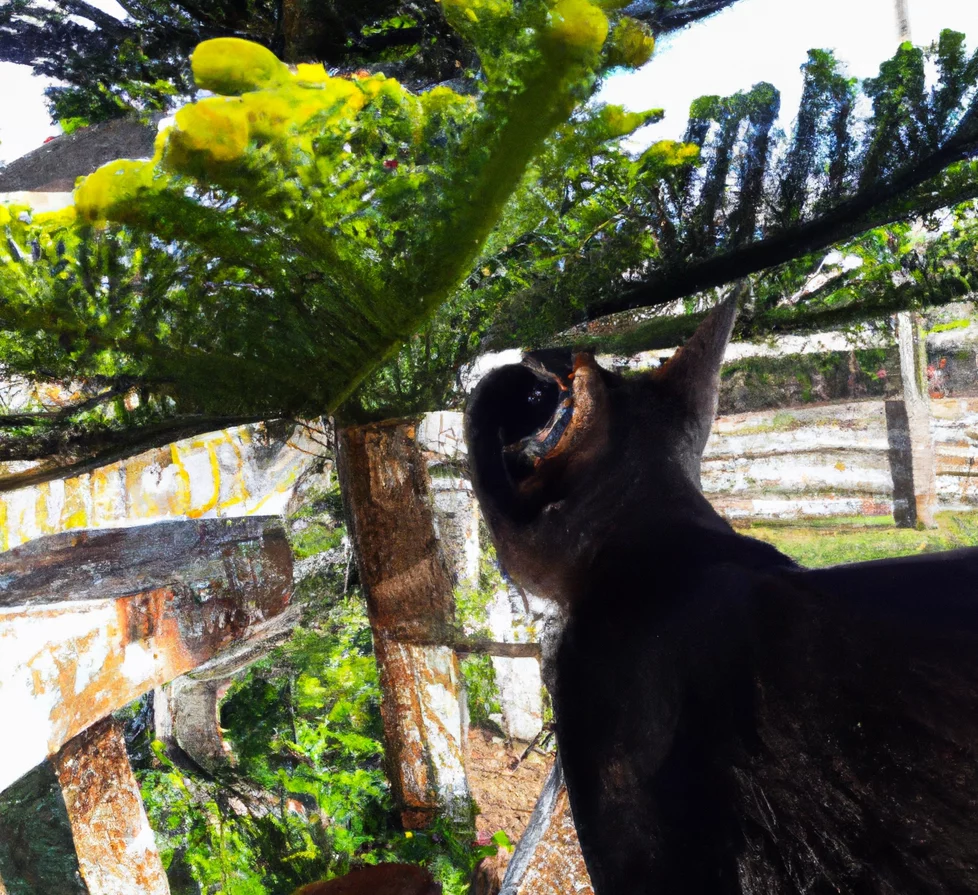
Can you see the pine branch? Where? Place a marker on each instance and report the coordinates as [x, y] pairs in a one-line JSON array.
[[880, 204], [666, 17], [32, 418], [102, 19]]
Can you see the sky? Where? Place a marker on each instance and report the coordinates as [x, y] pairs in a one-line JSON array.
[[755, 40], [768, 40], [24, 119]]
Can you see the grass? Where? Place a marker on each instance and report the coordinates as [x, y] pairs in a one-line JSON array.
[[826, 542], [781, 422]]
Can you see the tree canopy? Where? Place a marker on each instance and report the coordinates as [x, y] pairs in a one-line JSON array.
[[292, 231], [111, 67], [303, 243]]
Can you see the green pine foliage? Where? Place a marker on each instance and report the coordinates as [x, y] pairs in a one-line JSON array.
[[756, 200], [296, 229], [303, 242], [107, 67]]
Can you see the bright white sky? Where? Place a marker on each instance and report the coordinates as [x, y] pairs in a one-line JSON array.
[[768, 40], [755, 40]]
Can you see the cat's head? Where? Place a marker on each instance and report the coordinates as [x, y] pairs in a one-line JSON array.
[[565, 455]]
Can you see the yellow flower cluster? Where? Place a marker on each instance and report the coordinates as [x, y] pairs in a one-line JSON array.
[[262, 101], [476, 11], [230, 66]]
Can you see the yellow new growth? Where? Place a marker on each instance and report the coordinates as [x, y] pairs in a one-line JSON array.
[[477, 12], [668, 154], [116, 181], [578, 26], [273, 105], [229, 66], [617, 122], [632, 44]]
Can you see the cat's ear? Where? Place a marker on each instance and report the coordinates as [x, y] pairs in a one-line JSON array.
[[692, 374]]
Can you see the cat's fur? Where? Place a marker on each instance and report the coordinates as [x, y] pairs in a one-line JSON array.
[[728, 722]]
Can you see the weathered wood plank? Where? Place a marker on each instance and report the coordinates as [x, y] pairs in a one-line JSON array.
[[74, 651], [548, 859], [117, 853], [228, 556]]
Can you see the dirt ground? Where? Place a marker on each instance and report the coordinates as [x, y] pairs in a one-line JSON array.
[[504, 790]]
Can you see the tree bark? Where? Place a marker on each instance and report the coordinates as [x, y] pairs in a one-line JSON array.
[[116, 851], [903, 20], [410, 603], [186, 715], [920, 443]]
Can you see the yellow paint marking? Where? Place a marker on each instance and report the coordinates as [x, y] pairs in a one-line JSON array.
[[281, 488], [197, 512], [238, 489], [180, 502], [75, 511], [41, 509], [236, 500]]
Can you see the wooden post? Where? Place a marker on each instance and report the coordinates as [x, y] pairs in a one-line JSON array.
[[410, 602], [186, 714], [117, 853], [915, 474], [548, 859]]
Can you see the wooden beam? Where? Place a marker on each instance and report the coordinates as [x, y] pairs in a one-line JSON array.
[[116, 850], [89, 621], [496, 648], [230, 557]]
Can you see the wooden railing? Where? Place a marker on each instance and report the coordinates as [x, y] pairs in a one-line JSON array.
[[90, 621]]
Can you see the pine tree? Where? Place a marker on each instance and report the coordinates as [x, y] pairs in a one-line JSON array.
[[283, 253], [292, 231], [111, 67]]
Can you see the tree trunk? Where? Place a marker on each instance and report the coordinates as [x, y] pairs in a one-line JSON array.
[[903, 20], [410, 603], [186, 716], [922, 493]]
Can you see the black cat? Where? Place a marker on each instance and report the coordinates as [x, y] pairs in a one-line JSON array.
[[728, 722]]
